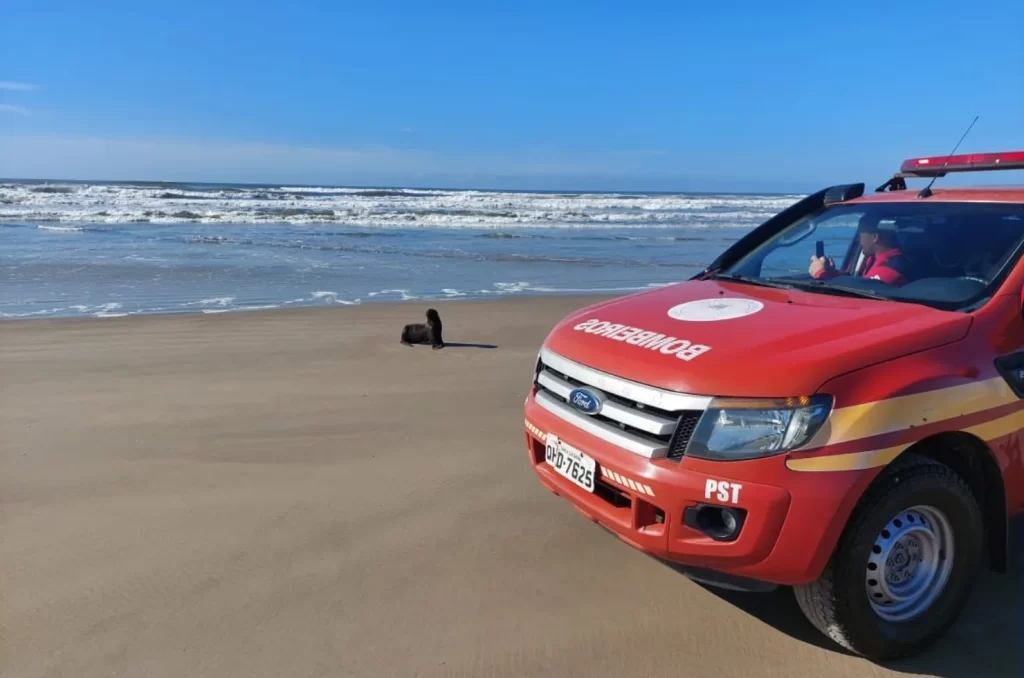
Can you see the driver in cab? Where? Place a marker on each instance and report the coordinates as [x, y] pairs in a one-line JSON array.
[[881, 257]]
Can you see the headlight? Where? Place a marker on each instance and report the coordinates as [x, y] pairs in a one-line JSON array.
[[733, 429]]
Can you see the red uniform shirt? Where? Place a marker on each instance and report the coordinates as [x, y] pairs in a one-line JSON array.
[[884, 266]]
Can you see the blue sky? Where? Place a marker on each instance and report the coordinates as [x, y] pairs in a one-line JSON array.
[[745, 95]]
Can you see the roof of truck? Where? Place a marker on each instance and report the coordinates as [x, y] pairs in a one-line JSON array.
[[936, 167], [1007, 194]]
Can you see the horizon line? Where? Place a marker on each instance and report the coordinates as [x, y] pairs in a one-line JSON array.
[[25, 180]]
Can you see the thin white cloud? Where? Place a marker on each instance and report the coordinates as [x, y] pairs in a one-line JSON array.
[[258, 162], [12, 86], [11, 108], [72, 157]]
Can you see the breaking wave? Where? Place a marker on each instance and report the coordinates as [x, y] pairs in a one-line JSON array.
[[160, 203], [113, 249]]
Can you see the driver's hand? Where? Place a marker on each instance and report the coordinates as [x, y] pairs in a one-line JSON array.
[[819, 264]]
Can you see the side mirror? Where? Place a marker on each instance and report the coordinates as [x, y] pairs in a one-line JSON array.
[[838, 194]]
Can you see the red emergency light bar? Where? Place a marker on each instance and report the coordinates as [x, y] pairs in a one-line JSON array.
[[972, 162]]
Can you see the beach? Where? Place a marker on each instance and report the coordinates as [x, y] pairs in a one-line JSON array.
[[294, 493]]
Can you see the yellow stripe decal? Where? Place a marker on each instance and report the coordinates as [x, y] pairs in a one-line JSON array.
[[997, 428], [902, 412], [857, 461]]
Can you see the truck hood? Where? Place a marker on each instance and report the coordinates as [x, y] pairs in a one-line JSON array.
[[730, 339]]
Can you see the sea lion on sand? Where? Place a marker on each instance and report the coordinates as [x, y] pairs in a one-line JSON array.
[[424, 333]]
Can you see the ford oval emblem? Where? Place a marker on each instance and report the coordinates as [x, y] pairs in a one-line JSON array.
[[585, 400]]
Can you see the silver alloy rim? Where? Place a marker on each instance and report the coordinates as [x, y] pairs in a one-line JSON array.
[[909, 564]]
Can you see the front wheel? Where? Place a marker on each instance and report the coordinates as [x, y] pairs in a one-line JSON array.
[[904, 565]]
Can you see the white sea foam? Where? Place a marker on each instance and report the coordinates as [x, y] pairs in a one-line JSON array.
[[510, 287], [219, 305], [264, 307], [573, 290], [34, 314], [97, 308], [214, 301], [332, 298], [402, 294], [405, 208], [62, 229]]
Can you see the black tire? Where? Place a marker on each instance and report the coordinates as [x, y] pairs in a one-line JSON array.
[[837, 603]]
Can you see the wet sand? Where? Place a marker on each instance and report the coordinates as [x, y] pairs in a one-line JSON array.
[[294, 493]]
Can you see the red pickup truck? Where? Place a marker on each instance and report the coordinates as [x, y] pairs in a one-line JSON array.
[[834, 404]]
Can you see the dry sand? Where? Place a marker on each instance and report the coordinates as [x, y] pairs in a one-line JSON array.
[[294, 493]]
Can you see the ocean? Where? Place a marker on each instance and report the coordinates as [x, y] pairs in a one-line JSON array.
[[115, 249]]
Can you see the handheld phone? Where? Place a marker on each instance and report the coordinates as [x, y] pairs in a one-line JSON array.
[[819, 249]]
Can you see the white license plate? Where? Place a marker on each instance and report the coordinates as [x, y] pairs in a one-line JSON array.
[[570, 462]]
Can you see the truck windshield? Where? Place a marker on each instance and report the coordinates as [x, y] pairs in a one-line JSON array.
[[942, 254]]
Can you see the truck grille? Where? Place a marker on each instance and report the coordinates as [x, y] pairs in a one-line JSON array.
[[642, 419], [681, 438]]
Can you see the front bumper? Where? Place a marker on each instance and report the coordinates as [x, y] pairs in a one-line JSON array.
[[792, 519]]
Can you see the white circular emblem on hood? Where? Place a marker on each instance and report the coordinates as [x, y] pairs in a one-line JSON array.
[[710, 310]]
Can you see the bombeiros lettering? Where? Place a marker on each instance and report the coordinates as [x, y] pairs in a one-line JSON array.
[[665, 344]]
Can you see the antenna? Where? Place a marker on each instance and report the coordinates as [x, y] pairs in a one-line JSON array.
[[927, 190]]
